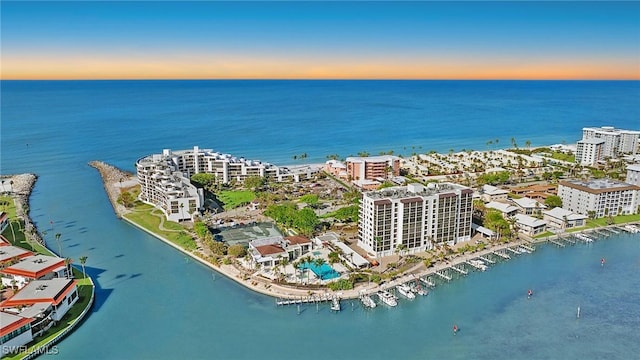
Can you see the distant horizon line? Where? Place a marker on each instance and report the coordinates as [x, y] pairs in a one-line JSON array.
[[309, 79]]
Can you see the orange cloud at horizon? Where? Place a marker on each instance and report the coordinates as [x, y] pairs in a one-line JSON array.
[[208, 66]]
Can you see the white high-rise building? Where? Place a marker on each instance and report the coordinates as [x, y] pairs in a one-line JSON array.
[[415, 216], [617, 141], [589, 151]]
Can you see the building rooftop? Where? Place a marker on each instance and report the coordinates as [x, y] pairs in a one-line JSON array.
[[526, 202], [47, 291], [415, 189], [560, 213], [379, 158], [9, 323], [34, 266], [9, 252], [502, 207], [298, 239], [492, 190], [599, 185], [529, 220]]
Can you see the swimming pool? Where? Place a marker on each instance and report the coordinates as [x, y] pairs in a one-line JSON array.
[[324, 272]]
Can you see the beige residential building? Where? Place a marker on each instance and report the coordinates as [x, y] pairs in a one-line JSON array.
[[415, 216]]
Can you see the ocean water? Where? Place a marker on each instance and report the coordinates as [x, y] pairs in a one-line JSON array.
[[154, 303]]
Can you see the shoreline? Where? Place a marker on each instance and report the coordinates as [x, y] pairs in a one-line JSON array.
[[112, 178], [22, 187]]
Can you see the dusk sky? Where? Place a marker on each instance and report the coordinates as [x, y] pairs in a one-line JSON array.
[[326, 40]]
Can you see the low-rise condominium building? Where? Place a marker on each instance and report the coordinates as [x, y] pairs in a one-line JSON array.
[[599, 197]]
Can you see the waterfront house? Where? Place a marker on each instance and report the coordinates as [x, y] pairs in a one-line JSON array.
[[336, 168], [61, 294], [36, 267], [563, 219], [528, 206], [15, 332], [507, 210], [491, 193], [271, 251], [529, 225]]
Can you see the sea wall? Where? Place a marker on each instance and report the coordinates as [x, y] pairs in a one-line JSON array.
[[21, 190]]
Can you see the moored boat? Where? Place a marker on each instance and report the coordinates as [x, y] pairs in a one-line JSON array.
[[405, 290], [387, 298]]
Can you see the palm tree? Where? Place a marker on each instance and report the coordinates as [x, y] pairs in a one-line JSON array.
[[83, 260], [58, 235]]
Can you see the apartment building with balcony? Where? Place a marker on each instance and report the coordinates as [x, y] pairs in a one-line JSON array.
[[616, 141], [372, 167], [415, 216], [590, 151], [602, 196]]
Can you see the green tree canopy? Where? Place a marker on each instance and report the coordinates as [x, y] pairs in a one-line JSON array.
[[254, 182], [237, 251], [553, 201], [310, 199], [203, 180]]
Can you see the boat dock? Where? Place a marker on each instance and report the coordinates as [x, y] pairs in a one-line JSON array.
[[528, 248], [427, 282], [473, 265], [460, 270], [486, 259], [560, 244], [502, 254], [513, 251], [307, 299], [443, 275]]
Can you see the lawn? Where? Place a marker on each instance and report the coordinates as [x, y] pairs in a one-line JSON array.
[[234, 199], [149, 218]]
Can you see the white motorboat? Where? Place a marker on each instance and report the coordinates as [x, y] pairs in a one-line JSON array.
[[335, 304], [479, 264], [405, 290], [367, 301], [387, 298]]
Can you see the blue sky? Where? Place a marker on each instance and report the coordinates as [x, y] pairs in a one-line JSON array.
[[321, 40]]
